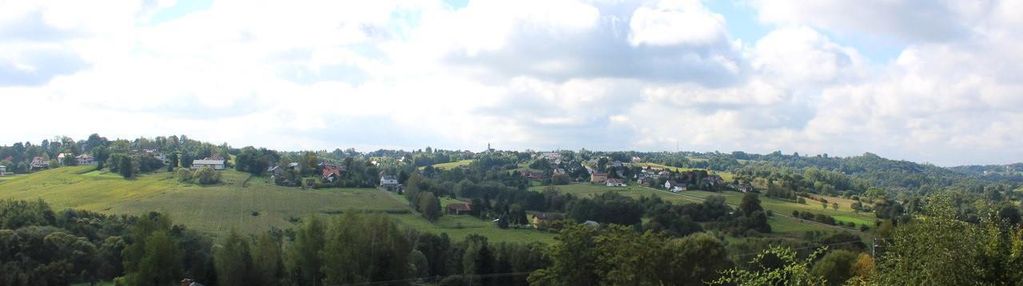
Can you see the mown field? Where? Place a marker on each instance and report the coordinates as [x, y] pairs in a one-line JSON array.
[[782, 222], [249, 206], [452, 165]]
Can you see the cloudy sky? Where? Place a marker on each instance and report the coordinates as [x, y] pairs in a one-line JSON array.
[[937, 81]]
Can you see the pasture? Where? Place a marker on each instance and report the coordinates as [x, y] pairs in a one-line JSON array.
[[452, 165], [782, 222], [250, 206]]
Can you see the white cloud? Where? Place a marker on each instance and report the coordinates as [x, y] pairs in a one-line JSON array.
[[800, 55], [674, 22], [908, 21], [523, 74]]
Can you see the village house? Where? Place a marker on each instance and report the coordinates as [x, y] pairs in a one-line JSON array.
[[674, 187], [616, 183], [745, 187], [61, 156], [534, 175], [550, 156], [390, 183], [274, 171], [459, 208], [598, 177], [39, 163], [189, 282], [648, 181], [540, 220], [85, 159], [713, 180], [3, 170], [211, 163], [331, 172]]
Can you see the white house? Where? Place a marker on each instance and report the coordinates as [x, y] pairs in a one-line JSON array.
[[3, 170], [85, 159], [388, 181], [39, 163], [215, 164], [616, 183], [62, 157]]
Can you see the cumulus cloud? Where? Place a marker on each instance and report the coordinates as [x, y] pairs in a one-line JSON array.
[[610, 75], [669, 23], [909, 21], [591, 40]]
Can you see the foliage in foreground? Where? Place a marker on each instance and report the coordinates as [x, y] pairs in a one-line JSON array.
[[791, 271], [618, 255]]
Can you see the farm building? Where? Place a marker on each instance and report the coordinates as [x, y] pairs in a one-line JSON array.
[[3, 170], [215, 164], [541, 220], [459, 208], [598, 177]]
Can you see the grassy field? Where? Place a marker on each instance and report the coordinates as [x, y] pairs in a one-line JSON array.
[[781, 222], [844, 213], [460, 226], [452, 165], [216, 209], [252, 208], [726, 176]]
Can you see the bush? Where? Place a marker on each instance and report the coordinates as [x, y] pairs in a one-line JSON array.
[[207, 176], [202, 176], [801, 201], [184, 175]]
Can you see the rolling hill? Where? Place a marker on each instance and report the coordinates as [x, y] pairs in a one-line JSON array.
[[249, 205]]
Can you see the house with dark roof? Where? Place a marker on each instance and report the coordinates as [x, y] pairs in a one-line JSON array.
[[39, 163], [533, 175], [459, 208]]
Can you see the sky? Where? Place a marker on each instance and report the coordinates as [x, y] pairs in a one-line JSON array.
[[937, 81]]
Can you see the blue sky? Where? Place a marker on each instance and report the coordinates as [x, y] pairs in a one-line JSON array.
[[931, 81]]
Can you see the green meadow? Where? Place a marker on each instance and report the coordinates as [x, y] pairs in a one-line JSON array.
[[249, 205], [452, 165], [782, 222]]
